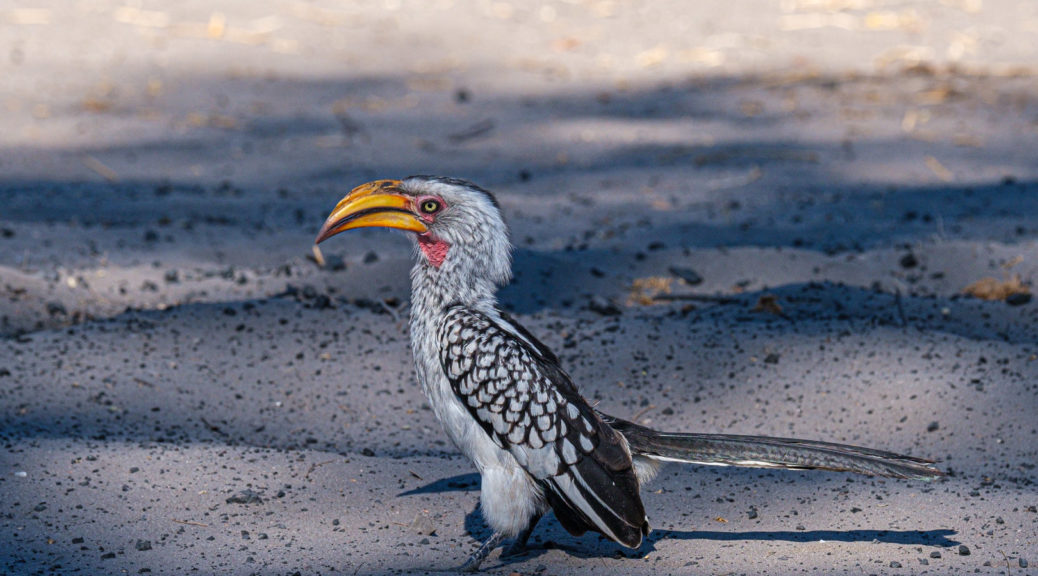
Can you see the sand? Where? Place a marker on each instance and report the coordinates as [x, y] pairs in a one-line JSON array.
[[746, 217]]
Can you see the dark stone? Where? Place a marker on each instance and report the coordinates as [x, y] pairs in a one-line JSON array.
[[935, 554], [368, 452], [335, 263], [55, 308], [370, 258], [172, 276], [895, 564], [245, 497], [602, 306], [771, 358], [143, 545], [690, 276], [909, 261], [932, 426], [964, 550], [1018, 299]]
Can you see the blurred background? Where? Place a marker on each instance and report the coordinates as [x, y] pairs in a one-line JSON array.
[[204, 142]]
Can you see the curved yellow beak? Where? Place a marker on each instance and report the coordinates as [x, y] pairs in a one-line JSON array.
[[379, 203]]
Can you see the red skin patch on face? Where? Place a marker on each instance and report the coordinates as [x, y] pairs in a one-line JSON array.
[[435, 249]]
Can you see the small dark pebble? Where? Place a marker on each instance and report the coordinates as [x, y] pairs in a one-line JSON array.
[[935, 554], [924, 561], [134, 469], [151, 236], [855, 510], [245, 535], [335, 522], [77, 540], [228, 311], [172, 276], [668, 411], [245, 497], [909, 261], [801, 527], [895, 564], [40, 507], [597, 273], [370, 258], [964, 550], [6, 232], [334, 262], [108, 556], [143, 545], [752, 514], [55, 308], [368, 452], [1022, 562], [1018, 299], [933, 426], [262, 536], [771, 358], [602, 306], [690, 276]]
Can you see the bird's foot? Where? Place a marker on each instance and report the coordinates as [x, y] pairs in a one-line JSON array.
[[516, 548], [477, 558]]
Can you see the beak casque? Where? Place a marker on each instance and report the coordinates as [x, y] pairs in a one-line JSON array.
[[379, 203]]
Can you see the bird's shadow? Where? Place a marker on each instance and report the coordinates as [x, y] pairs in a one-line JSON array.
[[549, 535]]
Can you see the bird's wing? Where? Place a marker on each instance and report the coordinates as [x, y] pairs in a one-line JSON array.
[[512, 385]]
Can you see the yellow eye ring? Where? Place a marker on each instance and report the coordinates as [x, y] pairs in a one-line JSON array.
[[430, 206]]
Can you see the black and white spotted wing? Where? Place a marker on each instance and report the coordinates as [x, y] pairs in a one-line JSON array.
[[512, 385]]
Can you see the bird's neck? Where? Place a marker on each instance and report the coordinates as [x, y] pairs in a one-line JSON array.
[[435, 288]]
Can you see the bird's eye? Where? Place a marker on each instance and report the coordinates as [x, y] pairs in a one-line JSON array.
[[430, 206]]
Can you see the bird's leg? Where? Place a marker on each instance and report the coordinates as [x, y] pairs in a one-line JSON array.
[[477, 558], [518, 546]]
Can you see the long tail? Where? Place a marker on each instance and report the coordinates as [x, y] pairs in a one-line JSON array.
[[767, 452]]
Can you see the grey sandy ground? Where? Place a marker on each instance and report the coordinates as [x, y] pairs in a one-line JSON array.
[[183, 391]]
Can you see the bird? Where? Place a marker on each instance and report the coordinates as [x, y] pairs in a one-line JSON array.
[[505, 401]]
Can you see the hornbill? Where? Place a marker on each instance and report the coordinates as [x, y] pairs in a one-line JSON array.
[[507, 404]]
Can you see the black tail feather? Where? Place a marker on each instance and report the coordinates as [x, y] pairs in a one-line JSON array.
[[768, 452]]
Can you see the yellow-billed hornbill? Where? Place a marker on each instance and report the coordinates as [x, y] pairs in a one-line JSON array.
[[508, 405]]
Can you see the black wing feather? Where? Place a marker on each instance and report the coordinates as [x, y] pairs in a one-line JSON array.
[[513, 386]]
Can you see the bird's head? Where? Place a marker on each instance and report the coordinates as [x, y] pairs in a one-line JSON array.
[[457, 225]]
